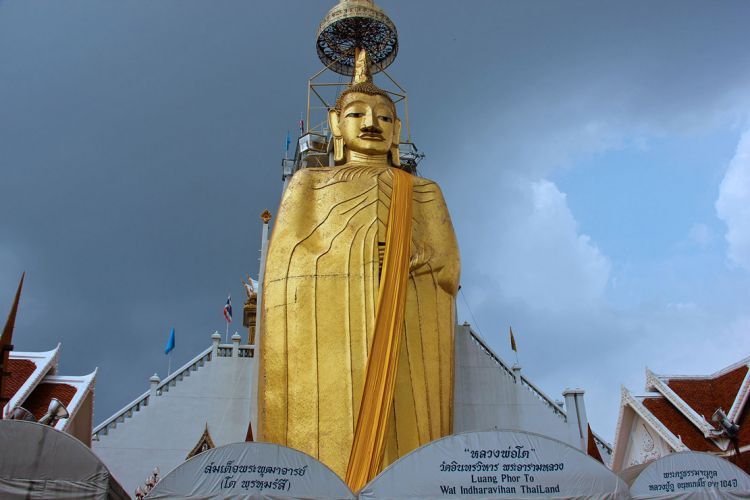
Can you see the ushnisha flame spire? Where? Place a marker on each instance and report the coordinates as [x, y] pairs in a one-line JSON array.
[[362, 79]]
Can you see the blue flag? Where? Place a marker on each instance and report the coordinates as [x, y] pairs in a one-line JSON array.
[[170, 342], [288, 140]]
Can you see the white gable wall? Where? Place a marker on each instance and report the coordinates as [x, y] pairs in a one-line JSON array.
[[643, 443]]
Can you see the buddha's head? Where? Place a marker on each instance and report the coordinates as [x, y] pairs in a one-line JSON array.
[[363, 123]]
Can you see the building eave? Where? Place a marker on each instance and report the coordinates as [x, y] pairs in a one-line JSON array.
[[735, 412], [655, 382], [45, 363], [668, 436], [83, 384]]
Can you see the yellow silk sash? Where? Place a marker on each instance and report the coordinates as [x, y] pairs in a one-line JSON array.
[[380, 380]]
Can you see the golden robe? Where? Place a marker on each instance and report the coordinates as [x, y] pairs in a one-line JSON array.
[[319, 297]]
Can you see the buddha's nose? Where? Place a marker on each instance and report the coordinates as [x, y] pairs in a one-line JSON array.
[[369, 125]]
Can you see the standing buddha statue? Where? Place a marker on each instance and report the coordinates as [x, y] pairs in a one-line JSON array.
[[359, 300]]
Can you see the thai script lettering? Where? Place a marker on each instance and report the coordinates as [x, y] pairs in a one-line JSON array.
[[668, 486], [232, 468], [682, 474], [514, 453], [454, 466], [530, 467], [260, 484]]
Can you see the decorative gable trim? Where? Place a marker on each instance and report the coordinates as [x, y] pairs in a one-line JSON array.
[[83, 384], [735, 412], [204, 443], [617, 449], [46, 363], [654, 382], [656, 424]]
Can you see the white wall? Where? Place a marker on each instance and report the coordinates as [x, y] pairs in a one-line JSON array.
[[486, 396], [643, 444], [163, 433]]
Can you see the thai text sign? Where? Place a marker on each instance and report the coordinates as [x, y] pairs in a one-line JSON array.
[[691, 472], [510, 464], [252, 470]]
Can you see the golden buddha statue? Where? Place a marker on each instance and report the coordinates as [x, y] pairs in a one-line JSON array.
[[359, 292]]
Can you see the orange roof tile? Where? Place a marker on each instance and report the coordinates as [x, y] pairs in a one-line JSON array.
[[706, 395], [678, 424], [20, 370], [38, 401]]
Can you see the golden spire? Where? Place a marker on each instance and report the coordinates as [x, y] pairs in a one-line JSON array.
[[6, 343], [362, 72], [362, 79]]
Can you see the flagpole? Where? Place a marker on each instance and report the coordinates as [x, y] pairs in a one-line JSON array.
[[169, 363], [226, 332]]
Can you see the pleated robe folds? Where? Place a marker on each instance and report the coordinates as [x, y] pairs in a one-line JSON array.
[[319, 297]]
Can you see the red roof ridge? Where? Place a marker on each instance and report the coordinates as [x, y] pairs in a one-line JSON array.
[[719, 373], [655, 383], [728, 389]]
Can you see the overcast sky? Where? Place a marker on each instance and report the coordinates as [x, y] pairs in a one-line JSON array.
[[595, 157]]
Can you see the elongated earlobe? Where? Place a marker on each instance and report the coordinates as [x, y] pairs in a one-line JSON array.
[[338, 140], [338, 149]]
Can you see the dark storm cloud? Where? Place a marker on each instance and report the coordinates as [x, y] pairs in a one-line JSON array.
[[139, 141]]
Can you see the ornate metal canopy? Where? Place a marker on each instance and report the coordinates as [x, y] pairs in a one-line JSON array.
[[355, 24]]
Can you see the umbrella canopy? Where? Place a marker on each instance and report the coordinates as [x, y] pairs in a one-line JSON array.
[[251, 470], [690, 475], [38, 461], [497, 464]]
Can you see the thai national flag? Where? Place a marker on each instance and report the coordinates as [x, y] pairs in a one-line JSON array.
[[228, 310]]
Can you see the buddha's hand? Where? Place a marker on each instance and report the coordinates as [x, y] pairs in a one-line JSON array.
[[421, 255]]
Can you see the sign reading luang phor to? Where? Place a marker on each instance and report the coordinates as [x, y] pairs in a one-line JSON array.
[[691, 474], [252, 470], [496, 464]]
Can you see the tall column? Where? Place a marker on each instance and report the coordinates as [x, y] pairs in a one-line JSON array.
[[577, 420], [266, 217]]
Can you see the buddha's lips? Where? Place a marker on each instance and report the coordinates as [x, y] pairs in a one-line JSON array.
[[371, 137]]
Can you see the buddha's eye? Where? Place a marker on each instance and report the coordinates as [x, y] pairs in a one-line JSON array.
[[387, 119], [354, 114]]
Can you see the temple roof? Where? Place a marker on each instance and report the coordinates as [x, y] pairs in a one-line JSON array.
[[38, 402], [19, 372], [705, 395], [32, 383], [680, 408], [678, 424], [26, 370]]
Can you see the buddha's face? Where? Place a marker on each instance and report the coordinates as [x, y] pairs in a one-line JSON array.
[[367, 123]]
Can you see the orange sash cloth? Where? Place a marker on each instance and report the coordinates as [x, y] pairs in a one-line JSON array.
[[380, 380]]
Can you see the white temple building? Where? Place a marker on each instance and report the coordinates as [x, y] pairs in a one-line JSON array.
[[204, 404], [32, 381], [209, 402], [489, 394], [686, 412]]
